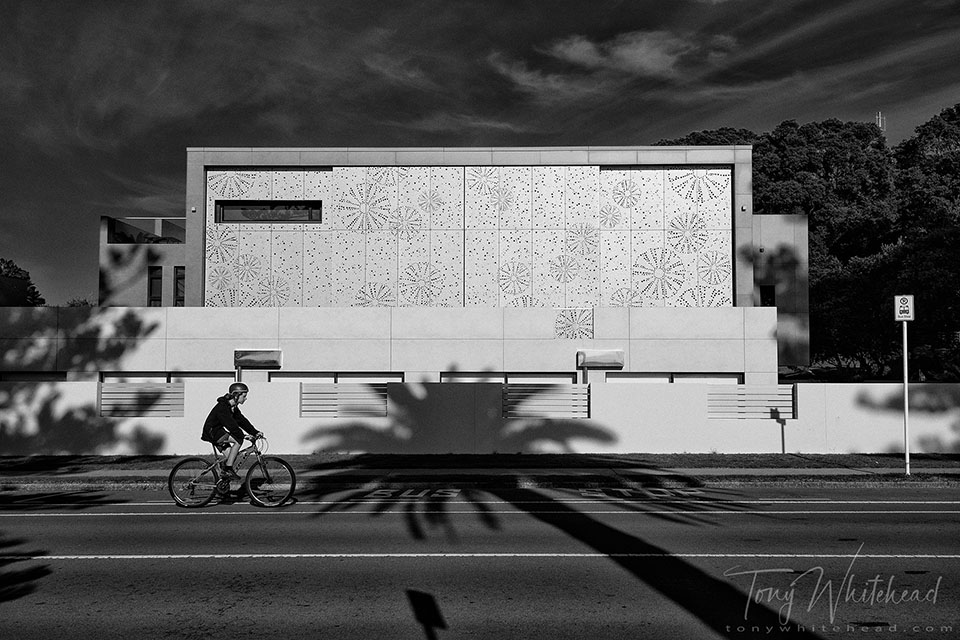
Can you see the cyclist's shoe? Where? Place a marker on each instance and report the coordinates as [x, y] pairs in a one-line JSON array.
[[229, 473]]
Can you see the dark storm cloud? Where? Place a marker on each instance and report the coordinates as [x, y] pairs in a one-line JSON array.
[[98, 100]]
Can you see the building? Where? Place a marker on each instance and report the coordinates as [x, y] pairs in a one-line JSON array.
[[353, 287], [567, 234]]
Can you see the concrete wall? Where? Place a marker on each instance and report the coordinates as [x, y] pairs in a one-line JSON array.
[[417, 342], [61, 417], [781, 259], [124, 269]]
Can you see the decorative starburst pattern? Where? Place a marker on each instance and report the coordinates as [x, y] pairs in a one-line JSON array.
[[482, 179], [564, 268], [405, 222], [574, 324], [376, 294], [221, 244], [231, 184], [383, 176], [249, 267], [626, 297], [687, 233], [700, 185], [420, 284], [222, 277], [430, 201], [701, 296], [610, 216], [583, 239], [366, 207], [225, 298], [658, 273], [514, 278], [524, 301], [626, 193], [273, 291], [503, 199], [713, 267]]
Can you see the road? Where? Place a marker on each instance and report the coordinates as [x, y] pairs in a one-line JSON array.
[[447, 562]]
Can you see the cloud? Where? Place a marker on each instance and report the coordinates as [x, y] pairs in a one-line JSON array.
[[154, 195], [400, 71], [547, 87], [443, 122], [643, 53], [628, 62]]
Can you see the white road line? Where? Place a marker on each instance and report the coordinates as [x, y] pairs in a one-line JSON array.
[[592, 500], [622, 512], [364, 556]]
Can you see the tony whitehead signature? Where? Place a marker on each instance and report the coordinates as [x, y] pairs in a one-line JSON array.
[[875, 591]]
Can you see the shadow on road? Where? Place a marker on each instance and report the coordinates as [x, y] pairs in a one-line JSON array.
[[18, 582], [16, 579], [392, 485]]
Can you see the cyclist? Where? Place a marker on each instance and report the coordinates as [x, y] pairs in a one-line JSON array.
[[225, 425]]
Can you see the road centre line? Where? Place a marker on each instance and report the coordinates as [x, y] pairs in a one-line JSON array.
[[627, 512], [364, 556]]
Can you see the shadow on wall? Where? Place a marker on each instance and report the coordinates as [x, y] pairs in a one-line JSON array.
[[783, 269], [932, 398], [122, 267], [455, 418], [420, 421], [83, 339]]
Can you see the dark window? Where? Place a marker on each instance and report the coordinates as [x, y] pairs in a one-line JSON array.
[[269, 211], [179, 285], [154, 286], [768, 295]]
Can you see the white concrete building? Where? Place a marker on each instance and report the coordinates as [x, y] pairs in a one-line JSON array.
[[375, 279]]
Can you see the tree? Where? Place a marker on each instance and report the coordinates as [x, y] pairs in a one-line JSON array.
[[16, 288], [928, 176], [882, 222], [721, 136], [80, 302]]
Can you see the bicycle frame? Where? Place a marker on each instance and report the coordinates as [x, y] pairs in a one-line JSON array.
[[242, 455], [270, 481]]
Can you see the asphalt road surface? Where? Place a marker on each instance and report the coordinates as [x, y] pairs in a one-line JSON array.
[[449, 562]]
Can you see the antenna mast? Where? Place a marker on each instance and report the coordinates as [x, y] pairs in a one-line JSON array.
[[881, 122]]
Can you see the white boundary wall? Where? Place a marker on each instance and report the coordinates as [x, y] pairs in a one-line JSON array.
[[61, 417]]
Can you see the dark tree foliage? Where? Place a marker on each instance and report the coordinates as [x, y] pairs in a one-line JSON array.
[[722, 136], [882, 222], [31, 296]]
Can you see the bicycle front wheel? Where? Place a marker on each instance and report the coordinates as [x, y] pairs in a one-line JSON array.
[[192, 483], [270, 482]]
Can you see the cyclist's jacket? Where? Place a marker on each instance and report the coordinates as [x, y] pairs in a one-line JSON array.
[[226, 419]]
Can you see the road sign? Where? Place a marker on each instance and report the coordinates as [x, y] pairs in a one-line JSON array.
[[903, 308]]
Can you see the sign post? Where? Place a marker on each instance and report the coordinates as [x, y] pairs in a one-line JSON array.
[[903, 312]]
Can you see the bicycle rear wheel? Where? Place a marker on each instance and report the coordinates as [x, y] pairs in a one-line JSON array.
[[270, 482], [192, 483]]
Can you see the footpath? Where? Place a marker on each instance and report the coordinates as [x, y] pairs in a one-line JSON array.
[[83, 473]]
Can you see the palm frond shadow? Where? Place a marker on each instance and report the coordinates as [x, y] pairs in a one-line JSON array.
[[21, 580], [389, 482], [713, 601]]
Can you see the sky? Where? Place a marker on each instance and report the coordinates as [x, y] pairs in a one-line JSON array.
[[100, 99]]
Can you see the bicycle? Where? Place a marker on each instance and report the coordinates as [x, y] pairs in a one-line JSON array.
[[270, 482]]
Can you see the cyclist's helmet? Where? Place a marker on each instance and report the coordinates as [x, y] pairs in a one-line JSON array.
[[237, 388]]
